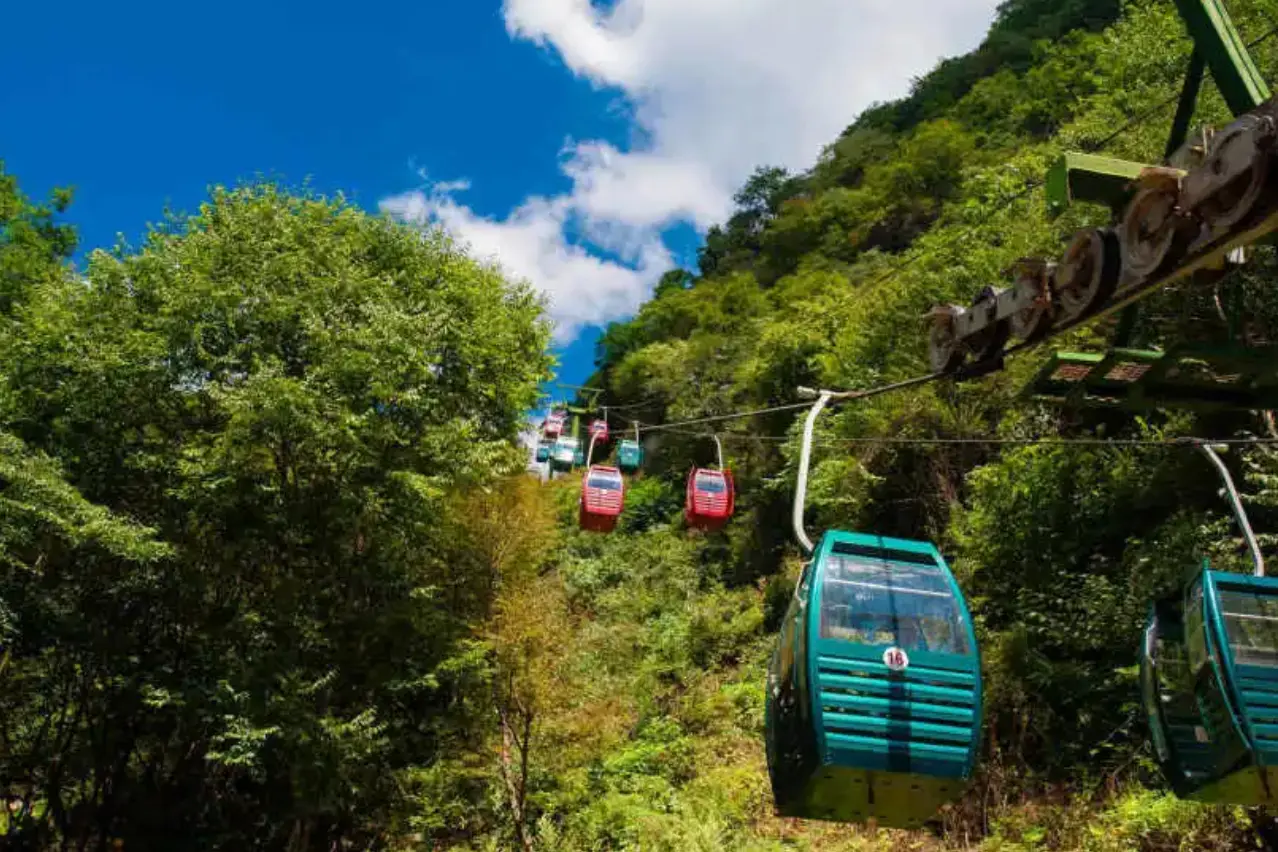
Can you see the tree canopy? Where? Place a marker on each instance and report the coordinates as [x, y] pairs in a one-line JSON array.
[[286, 392]]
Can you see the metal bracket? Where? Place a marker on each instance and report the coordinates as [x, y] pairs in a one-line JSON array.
[[1191, 378], [805, 459], [1090, 177], [1235, 502]]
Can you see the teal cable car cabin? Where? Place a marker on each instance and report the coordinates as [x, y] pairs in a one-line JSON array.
[[564, 453], [1209, 679], [629, 456], [630, 453], [874, 691], [873, 707]]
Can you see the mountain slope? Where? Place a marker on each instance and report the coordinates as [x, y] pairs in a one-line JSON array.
[[821, 279]]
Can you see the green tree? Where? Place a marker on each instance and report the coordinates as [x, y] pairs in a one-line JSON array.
[[287, 389], [33, 243]]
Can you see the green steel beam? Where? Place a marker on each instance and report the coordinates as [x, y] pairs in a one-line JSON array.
[[1216, 38], [1126, 326], [1188, 100], [1089, 177]]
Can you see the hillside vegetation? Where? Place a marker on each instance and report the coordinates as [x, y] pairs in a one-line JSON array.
[[821, 279], [272, 576]]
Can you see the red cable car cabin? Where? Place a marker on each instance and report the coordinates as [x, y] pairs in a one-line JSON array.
[[600, 428], [603, 493], [553, 426], [711, 498]]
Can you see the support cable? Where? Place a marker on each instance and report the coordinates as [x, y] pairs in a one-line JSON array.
[[835, 396]]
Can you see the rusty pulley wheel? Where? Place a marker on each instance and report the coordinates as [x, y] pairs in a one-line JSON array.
[[1034, 292], [944, 350], [1235, 176], [987, 342], [1153, 231], [1087, 273]]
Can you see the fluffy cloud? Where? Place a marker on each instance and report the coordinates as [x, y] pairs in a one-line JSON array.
[[718, 87], [529, 243]]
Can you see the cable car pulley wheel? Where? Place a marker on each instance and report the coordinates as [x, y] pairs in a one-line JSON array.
[[1087, 273], [1154, 232], [987, 342], [1034, 290], [1231, 189], [945, 351]]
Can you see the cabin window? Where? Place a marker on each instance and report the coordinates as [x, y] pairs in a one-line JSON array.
[[1251, 621], [874, 602], [1171, 686], [1195, 628], [608, 483], [1149, 691], [711, 483], [788, 628]]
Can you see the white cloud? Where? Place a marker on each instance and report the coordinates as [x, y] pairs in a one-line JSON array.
[[530, 244], [718, 87]]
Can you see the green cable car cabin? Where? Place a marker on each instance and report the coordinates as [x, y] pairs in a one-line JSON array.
[[1209, 677], [563, 456], [874, 690], [629, 456], [1209, 684]]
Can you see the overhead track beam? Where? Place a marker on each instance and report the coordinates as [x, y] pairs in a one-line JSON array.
[[1221, 45]]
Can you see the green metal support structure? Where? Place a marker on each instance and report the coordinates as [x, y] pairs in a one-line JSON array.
[[1218, 47], [1188, 100], [1226, 55], [1089, 177], [1138, 380], [578, 412]]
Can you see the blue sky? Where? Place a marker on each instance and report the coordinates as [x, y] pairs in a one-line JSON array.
[[584, 149]]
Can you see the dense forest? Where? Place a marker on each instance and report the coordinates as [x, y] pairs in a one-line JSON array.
[[275, 574]]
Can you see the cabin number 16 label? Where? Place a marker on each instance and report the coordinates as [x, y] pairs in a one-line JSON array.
[[896, 659]]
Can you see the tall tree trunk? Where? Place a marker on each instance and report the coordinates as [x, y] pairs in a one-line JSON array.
[[514, 770]]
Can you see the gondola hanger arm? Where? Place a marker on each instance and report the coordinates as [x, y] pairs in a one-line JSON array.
[[805, 459], [1235, 501]]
